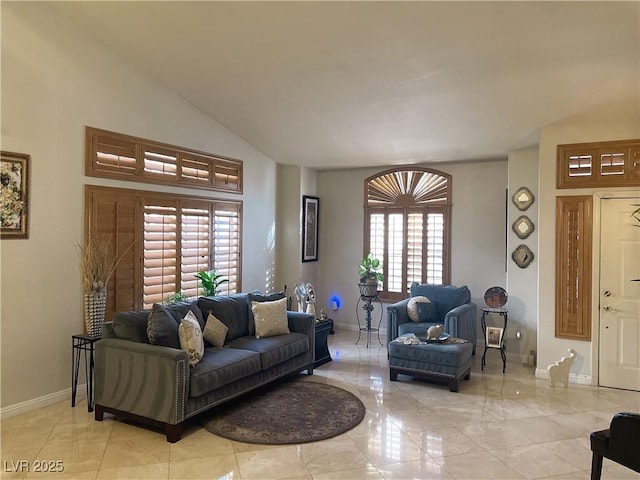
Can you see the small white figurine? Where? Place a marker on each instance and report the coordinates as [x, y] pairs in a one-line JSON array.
[[559, 371]]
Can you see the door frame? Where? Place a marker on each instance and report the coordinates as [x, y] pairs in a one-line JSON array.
[[598, 198]]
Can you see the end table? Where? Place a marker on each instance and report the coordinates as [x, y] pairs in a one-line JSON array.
[[499, 343], [82, 343], [323, 329]]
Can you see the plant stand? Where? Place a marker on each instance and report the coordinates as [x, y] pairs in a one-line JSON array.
[[367, 303]]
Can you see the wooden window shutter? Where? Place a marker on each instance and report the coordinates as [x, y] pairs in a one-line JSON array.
[[112, 216], [160, 269], [227, 243], [573, 267], [194, 252], [598, 164]]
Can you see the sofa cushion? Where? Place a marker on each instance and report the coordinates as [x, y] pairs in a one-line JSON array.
[[179, 311], [256, 296], [412, 307], [162, 327], [220, 366], [131, 325], [215, 332], [427, 312], [445, 297], [191, 338], [274, 350], [232, 310], [270, 318], [419, 328]]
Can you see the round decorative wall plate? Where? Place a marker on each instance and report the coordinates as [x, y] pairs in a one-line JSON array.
[[495, 297], [523, 256], [523, 198], [522, 227]]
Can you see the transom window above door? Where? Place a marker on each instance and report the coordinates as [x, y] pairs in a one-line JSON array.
[[407, 227]]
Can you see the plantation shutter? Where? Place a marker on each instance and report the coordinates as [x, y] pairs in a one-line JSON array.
[[160, 252], [226, 244], [435, 241], [115, 155], [415, 247], [112, 216], [407, 227], [194, 256]]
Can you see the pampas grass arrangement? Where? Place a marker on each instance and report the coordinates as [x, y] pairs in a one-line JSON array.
[[96, 265]]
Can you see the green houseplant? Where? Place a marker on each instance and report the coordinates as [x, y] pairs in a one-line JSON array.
[[370, 271], [210, 282]]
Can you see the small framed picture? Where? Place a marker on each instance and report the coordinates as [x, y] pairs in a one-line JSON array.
[[310, 211], [494, 337], [14, 201]]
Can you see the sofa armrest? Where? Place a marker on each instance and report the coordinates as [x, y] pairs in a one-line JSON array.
[[461, 322], [142, 379], [304, 323], [396, 314]]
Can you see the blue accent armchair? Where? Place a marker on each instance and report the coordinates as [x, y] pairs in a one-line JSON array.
[[453, 309]]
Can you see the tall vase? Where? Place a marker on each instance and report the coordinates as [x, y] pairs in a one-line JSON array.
[[95, 307]]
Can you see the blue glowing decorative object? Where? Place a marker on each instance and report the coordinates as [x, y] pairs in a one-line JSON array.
[[335, 302]]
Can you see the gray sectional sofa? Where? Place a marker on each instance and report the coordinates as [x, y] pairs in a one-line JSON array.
[[155, 384]]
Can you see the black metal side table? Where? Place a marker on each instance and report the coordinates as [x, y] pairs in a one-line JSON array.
[[82, 343], [495, 336]]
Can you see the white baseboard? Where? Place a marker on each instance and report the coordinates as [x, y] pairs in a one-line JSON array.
[[542, 373], [44, 401]]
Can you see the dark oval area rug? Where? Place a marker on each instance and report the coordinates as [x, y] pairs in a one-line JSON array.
[[287, 412]]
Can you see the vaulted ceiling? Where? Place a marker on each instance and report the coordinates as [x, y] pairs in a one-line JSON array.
[[347, 84]]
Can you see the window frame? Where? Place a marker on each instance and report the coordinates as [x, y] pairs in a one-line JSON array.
[[406, 204], [130, 276], [223, 174]]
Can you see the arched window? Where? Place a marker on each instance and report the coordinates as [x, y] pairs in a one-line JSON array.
[[407, 227]]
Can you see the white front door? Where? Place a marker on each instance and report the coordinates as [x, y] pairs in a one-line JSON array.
[[619, 355]]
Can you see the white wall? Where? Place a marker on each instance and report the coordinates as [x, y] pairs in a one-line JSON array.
[[56, 80], [478, 232], [522, 283], [293, 183], [611, 122]]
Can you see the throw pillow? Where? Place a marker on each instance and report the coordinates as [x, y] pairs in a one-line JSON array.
[[427, 312], [256, 296], [162, 327], [412, 307], [270, 318], [215, 331], [191, 338]]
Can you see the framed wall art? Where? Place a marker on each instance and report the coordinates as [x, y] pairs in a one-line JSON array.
[[14, 195], [310, 211]]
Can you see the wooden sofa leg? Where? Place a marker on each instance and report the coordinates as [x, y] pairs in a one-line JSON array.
[[98, 412], [174, 432]]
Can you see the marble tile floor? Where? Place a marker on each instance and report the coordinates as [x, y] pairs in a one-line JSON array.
[[498, 426]]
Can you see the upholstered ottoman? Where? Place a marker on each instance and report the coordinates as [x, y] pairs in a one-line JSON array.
[[442, 362]]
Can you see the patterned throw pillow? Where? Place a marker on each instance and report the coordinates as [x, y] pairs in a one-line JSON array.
[[191, 338], [412, 307], [270, 318], [215, 331]]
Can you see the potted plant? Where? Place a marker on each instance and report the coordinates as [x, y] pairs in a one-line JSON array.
[[370, 272], [210, 282]]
